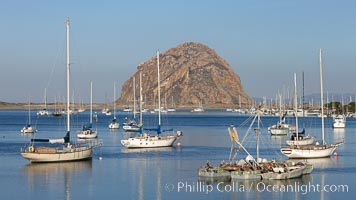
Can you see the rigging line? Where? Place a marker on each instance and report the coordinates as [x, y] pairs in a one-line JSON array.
[[245, 122], [248, 130], [54, 64]]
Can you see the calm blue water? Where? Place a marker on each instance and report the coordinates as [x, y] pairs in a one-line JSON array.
[[167, 173]]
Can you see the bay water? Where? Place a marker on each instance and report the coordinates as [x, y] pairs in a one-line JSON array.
[[168, 173]]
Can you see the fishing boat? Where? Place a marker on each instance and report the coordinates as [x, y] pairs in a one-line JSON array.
[[339, 121], [313, 150], [298, 138], [87, 132], [114, 124], [287, 171], [252, 168], [249, 168], [145, 139], [28, 129], [68, 151]]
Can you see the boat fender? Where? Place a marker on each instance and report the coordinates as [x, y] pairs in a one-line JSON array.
[[179, 133], [31, 149]]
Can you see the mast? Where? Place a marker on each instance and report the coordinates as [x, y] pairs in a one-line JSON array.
[[68, 81], [134, 96], [140, 99], [295, 104], [159, 95], [29, 110], [257, 136], [45, 98], [91, 103], [172, 102], [114, 99], [321, 97], [303, 96], [239, 101]]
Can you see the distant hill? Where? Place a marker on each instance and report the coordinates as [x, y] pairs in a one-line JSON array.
[[7, 105], [190, 73]]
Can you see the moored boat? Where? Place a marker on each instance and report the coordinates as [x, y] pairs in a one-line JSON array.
[[67, 151]]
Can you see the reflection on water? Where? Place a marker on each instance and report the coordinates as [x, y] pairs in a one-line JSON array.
[[52, 176], [144, 173], [152, 150], [339, 135], [319, 163]]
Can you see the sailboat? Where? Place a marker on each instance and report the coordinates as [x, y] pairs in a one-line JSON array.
[[171, 109], [131, 124], [87, 132], [298, 138], [339, 121], [44, 111], [313, 150], [199, 108], [281, 128], [145, 140], [67, 151], [28, 129], [114, 124]]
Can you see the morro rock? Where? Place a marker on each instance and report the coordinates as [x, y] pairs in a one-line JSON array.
[[191, 73]]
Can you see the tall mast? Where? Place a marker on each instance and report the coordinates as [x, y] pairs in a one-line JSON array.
[[114, 99], [295, 104], [303, 96], [239, 101], [91, 102], [46, 98], [159, 92], [134, 96], [140, 98], [321, 97], [257, 135], [29, 110], [68, 81]]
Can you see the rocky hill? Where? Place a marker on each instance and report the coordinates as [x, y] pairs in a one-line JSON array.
[[191, 73]]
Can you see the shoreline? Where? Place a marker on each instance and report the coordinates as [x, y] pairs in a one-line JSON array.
[[99, 106]]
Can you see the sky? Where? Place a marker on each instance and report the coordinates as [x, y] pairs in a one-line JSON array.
[[265, 42]]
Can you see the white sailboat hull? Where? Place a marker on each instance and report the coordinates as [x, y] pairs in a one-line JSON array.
[[88, 134], [309, 151], [339, 124], [131, 128], [305, 141], [28, 130], [279, 131], [81, 153], [149, 141], [114, 125]]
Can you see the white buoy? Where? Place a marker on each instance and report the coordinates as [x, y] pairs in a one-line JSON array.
[[335, 154], [178, 144], [100, 158]]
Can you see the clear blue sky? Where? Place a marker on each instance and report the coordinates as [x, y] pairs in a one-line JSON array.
[[265, 42]]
